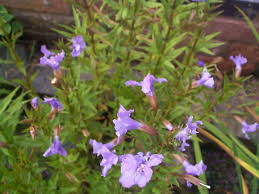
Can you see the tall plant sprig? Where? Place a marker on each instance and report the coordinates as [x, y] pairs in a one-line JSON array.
[[125, 40]]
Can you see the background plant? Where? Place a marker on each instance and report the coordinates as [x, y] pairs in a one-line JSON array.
[[125, 41]]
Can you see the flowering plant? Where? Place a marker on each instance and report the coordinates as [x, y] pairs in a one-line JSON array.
[[140, 136]]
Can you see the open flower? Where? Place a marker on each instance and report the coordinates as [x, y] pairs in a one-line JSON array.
[[124, 122], [192, 126], [147, 84], [99, 148], [54, 103], [136, 169], [51, 59], [35, 102], [195, 170], [206, 79], [185, 134], [55, 148], [78, 46], [239, 60], [109, 159], [249, 128]]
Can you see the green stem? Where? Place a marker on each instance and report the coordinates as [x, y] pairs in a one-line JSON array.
[[198, 158], [131, 33]]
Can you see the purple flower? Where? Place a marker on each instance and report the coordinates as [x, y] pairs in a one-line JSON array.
[[54, 103], [99, 148], [109, 159], [55, 148], [206, 79], [201, 63], [78, 46], [136, 170], [249, 128], [195, 170], [199, 0], [35, 102], [239, 60], [184, 134], [124, 122], [192, 127], [147, 84], [51, 59]]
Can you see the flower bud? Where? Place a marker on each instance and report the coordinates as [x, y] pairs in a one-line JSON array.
[[33, 131], [148, 129], [57, 130], [179, 158], [167, 124], [153, 101], [70, 177], [3, 145], [55, 82], [85, 133]]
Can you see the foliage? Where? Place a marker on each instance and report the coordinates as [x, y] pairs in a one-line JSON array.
[[8, 23], [125, 41]]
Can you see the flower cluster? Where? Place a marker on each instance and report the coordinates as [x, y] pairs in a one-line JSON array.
[[54, 60], [135, 169]]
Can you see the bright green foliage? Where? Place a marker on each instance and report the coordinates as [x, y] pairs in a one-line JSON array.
[[124, 39]]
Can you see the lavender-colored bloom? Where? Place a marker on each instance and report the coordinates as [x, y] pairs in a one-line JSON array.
[[35, 102], [51, 59], [99, 148], [206, 79], [201, 63], [195, 170], [239, 60], [192, 127], [184, 134], [55, 148], [136, 170], [78, 46], [109, 159], [124, 122], [249, 128], [147, 84], [199, 0], [54, 103]]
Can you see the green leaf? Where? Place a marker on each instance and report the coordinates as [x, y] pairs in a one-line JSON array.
[[4, 104], [16, 26], [249, 22], [76, 18]]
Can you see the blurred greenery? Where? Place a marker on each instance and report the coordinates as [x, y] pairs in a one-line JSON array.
[[125, 40]]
